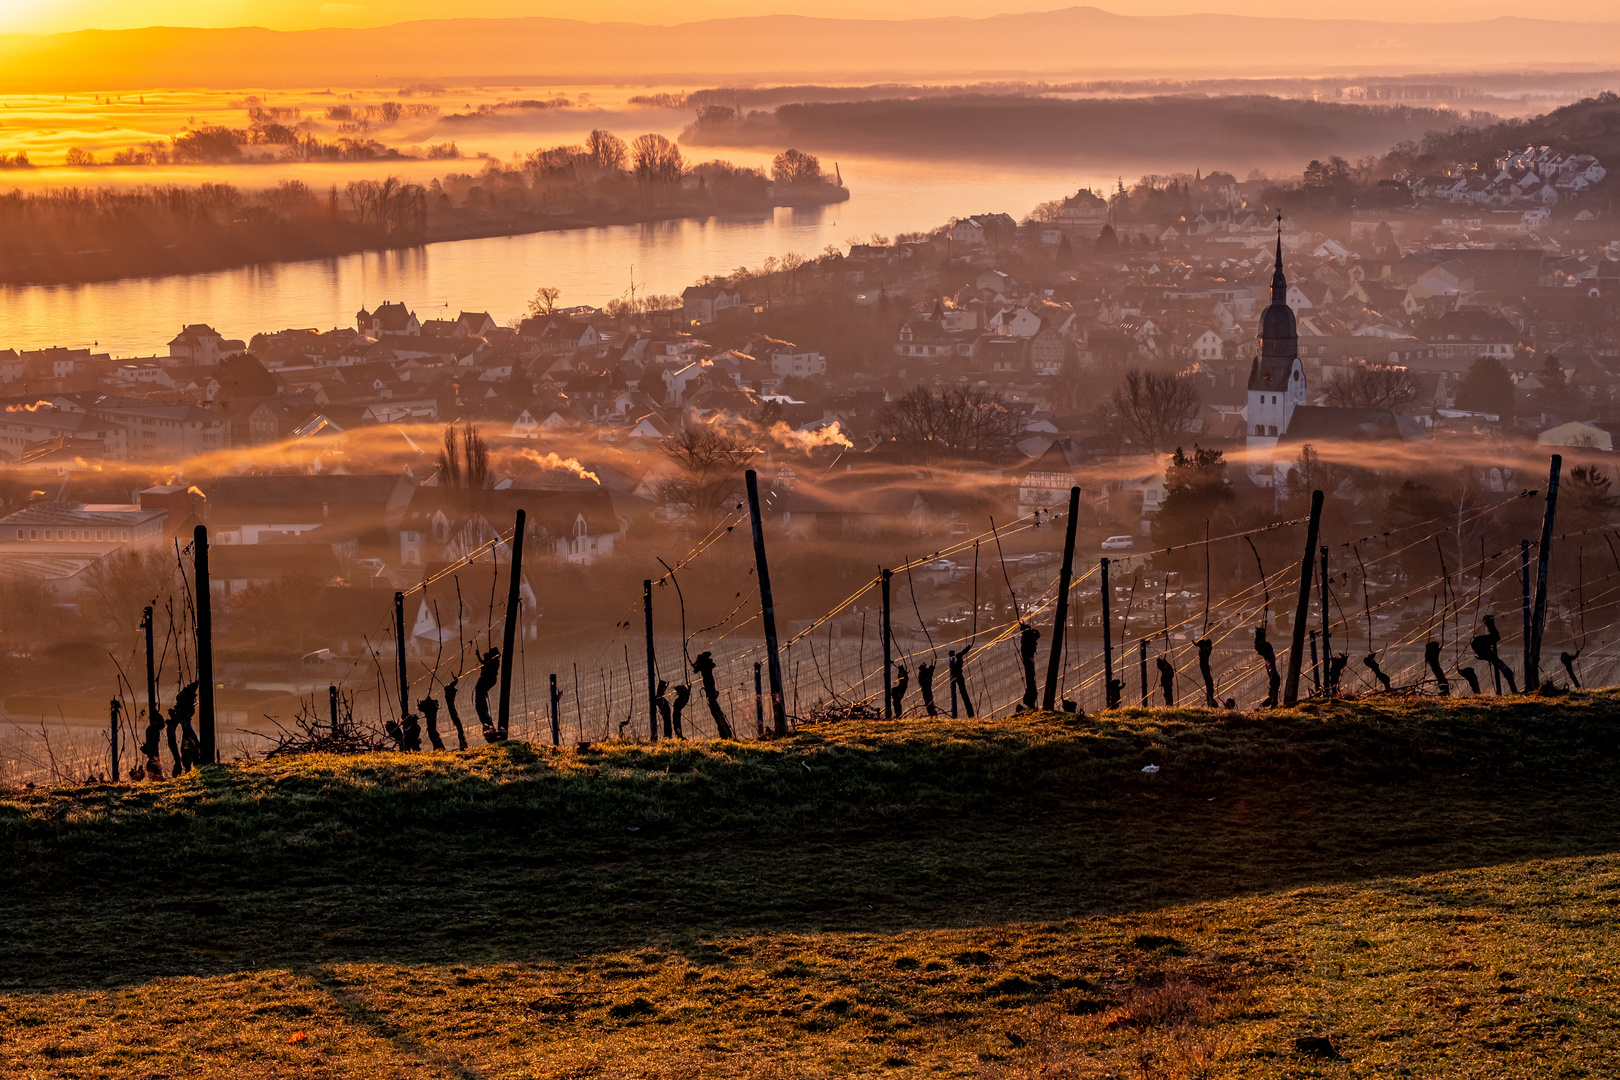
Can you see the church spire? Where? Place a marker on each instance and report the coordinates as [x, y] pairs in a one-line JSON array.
[[1279, 283], [1279, 337]]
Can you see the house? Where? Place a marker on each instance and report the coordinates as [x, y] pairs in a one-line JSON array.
[[256, 509], [95, 528], [788, 360], [1082, 215], [26, 423], [233, 570], [1042, 483], [155, 431], [56, 363], [678, 380], [389, 318], [1005, 356], [202, 344], [475, 324], [704, 304], [575, 525], [1204, 344], [560, 333], [55, 543], [1470, 334], [260, 421], [650, 426], [983, 229], [1577, 433]]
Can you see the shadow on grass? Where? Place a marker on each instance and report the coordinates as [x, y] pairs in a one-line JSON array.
[[516, 854]]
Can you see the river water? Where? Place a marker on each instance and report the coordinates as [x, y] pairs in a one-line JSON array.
[[137, 317]]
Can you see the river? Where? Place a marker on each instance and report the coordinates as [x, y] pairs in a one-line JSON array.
[[137, 317]]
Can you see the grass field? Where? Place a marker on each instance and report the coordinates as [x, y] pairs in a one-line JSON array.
[[1359, 889]]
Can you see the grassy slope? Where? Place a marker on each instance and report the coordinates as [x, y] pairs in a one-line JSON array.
[[1430, 887]]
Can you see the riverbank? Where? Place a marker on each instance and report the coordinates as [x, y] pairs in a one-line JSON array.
[[108, 249], [1378, 886], [443, 228]]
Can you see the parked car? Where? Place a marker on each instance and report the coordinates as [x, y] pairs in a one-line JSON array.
[[1119, 543]]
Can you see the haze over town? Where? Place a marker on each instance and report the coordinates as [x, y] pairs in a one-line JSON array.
[[538, 387]]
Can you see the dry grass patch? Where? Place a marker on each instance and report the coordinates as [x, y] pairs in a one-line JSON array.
[[1379, 890]]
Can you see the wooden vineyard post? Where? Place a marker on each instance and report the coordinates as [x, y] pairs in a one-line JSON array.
[[759, 703], [112, 735], [1524, 606], [509, 631], [207, 750], [1142, 647], [1329, 684], [151, 676], [888, 699], [556, 726], [331, 705], [1111, 693], [1316, 667], [1302, 611], [400, 672], [1055, 663], [1538, 616], [767, 607], [652, 662]]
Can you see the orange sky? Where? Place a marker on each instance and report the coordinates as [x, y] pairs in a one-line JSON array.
[[50, 16]]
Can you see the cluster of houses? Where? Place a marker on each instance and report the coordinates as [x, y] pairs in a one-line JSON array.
[[1537, 176], [315, 451]]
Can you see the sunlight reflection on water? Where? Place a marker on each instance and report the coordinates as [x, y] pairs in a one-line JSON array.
[[136, 317]]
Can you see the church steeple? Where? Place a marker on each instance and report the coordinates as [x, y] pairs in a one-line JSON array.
[[1279, 338], [1279, 283]]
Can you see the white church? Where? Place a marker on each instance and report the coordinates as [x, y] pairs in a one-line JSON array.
[[1276, 379]]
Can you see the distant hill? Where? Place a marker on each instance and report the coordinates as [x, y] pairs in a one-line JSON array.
[[1074, 40], [1588, 126], [1238, 131]]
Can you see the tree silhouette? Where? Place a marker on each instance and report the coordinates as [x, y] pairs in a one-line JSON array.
[[1487, 388], [1156, 407]]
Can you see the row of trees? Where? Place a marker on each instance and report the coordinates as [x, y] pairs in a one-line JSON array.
[[396, 209], [78, 234]]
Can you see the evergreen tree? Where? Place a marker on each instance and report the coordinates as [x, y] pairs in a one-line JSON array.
[[1487, 388], [1195, 489], [243, 376], [1554, 395]]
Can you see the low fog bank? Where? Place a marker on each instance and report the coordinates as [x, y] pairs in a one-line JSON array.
[[1127, 131]]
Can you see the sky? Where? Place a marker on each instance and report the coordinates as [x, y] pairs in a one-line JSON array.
[[52, 16]]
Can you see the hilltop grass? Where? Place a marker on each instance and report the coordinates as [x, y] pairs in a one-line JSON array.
[[1429, 886]]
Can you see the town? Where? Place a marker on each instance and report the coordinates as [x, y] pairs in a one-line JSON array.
[[641, 543], [893, 392]]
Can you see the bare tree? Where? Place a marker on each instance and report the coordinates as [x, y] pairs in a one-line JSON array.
[[968, 419], [793, 167], [709, 463], [1156, 407], [1311, 473], [126, 581], [545, 300], [391, 205], [1372, 386], [1588, 498], [656, 160], [464, 461], [606, 150]]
